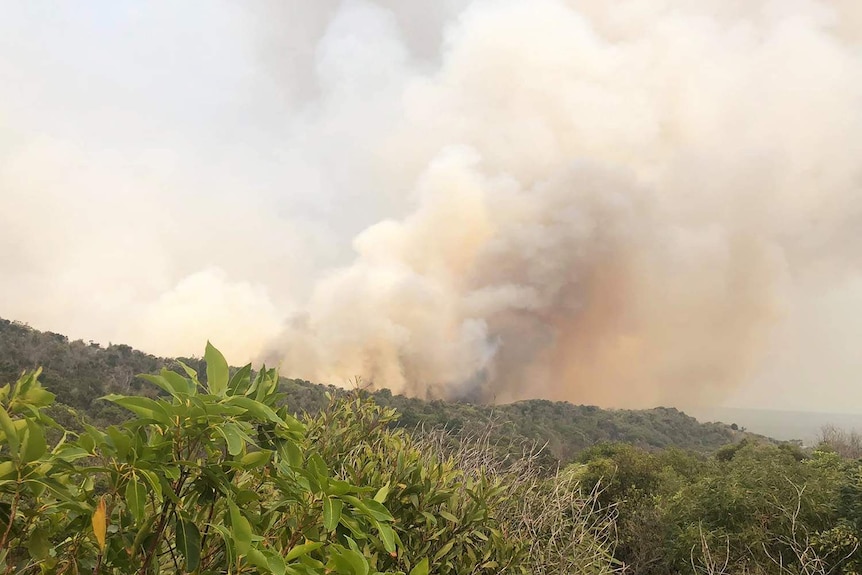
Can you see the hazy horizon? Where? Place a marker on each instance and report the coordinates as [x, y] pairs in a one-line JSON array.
[[721, 412], [658, 202]]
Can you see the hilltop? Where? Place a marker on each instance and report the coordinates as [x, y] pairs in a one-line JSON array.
[[80, 372]]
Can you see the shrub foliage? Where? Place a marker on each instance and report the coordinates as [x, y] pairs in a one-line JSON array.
[[221, 478], [205, 479], [214, 474]]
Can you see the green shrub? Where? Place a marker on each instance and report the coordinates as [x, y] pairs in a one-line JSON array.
[[442, 510], [211, 478]]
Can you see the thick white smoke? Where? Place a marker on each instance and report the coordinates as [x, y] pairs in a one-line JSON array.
[[623, 203], [609, 201]]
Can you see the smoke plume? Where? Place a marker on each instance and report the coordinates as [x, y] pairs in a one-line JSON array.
[[606, 203], [627, 203]]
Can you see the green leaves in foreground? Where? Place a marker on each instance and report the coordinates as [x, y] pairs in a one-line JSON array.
[[136, 499], [421, 568], [188, 543], [331, 513], [207, 478], [11, 434], [240, 529], [217, 370]]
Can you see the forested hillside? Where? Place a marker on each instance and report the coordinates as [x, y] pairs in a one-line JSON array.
[[79, 373], [215, 476], [202, 468]]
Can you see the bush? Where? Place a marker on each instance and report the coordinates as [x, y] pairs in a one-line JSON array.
[[210, 479]]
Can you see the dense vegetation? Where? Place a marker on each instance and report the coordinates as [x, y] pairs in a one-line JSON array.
[[79, 372], [214, 474], [219, 477]]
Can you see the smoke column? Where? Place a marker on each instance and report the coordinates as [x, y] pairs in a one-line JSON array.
[[624, 203], [606, 203]]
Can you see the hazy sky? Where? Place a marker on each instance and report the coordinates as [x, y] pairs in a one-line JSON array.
[[630, 203]]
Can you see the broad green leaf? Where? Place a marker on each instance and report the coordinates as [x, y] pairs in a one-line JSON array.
[[357, 528], [292, 423], [339, 487], [233, 438], [161, 383], [303, 549], [189, 543], [227, 537], [290, 452], [154, 482], [38, 544], [240, 380], [256, 408], [70, 453], [317, 466], [255, 459], [206, 406], [180, 383], [193, 375], [34, 442], [26, 381], [171, 471], [171, 382], [121, 441], [264, 383], [444, 550], [275, 562], [37, 488], [331, 512], [244, 496], [387, 535], [136, 498], [421, 568], [61, 490], [382, 494], [8, 470], [353, 545], [141, 406], [87, 443], [143, 532], [370, 507], [348, 561], [314, 566], [38, 397], [448, 516], [240, 529], [217, 370], [258, 559], [11, 434]]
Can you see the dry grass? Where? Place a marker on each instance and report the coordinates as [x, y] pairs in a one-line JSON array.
[[563, 529]]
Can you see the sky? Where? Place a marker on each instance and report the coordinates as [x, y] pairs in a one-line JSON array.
[[657, 202]]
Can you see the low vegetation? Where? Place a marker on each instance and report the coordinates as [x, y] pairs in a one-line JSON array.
[[220, 478], [210, 470], [79, 372]]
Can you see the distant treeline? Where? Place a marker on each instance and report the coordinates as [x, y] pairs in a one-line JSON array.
[[79, 372]]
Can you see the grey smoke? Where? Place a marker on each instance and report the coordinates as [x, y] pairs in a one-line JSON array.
[[653, 201], [607, 204]]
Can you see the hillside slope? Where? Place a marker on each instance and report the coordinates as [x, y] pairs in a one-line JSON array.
[[80, 372]]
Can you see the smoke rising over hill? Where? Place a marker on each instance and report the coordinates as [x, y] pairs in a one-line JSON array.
[[608, 203], [629, 204]]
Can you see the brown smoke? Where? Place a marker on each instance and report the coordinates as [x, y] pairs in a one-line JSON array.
[[608, 203], [624, 203]]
